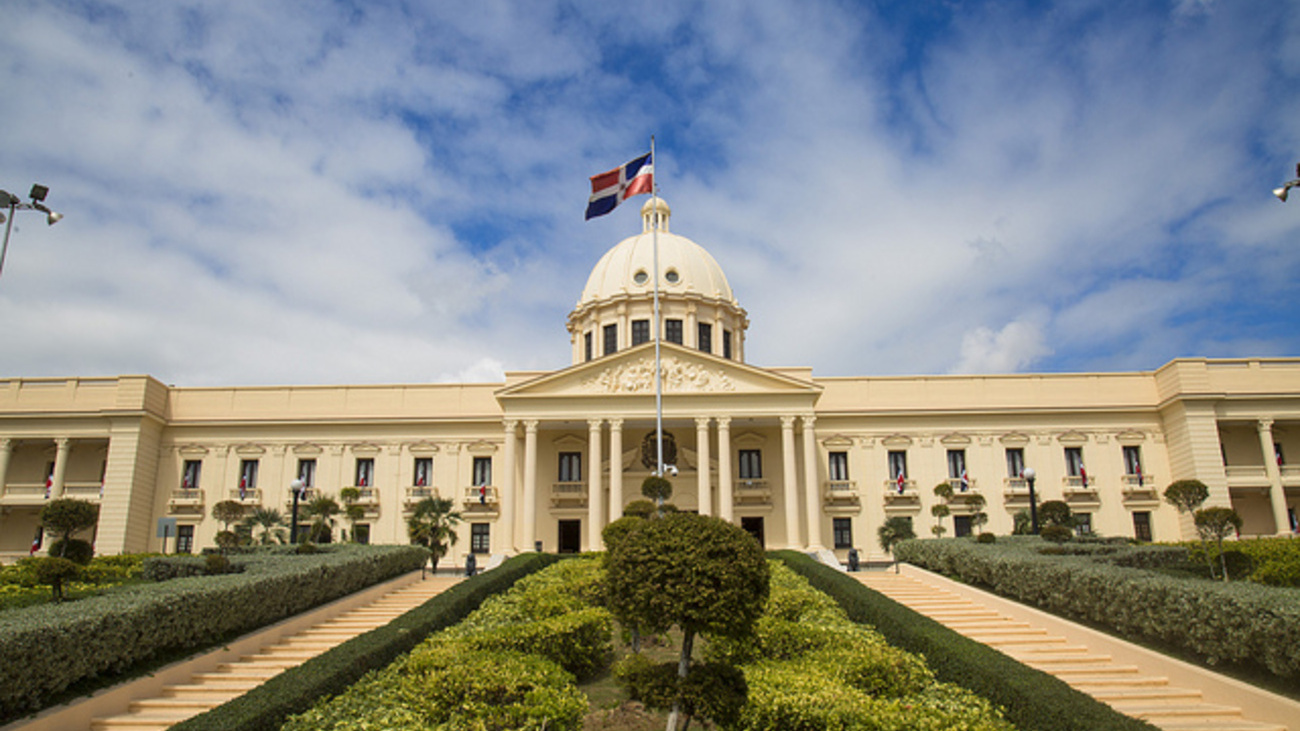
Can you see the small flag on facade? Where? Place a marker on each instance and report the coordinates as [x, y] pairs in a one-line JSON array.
[[611, 188], [1137, 470], [243, 487], [965, 481], [49, 485], [1083, 476], [482, 494], [36, 542], [901, 482]]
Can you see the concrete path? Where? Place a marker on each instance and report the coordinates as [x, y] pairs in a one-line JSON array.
[[1168, 693]]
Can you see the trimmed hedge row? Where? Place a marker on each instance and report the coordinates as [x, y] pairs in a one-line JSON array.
[[1030, 699], [1239, 622], [294, 691], [45, 649]]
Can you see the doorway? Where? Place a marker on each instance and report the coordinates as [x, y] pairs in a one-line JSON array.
[[570, 536], [754, 526], [1142, 526]]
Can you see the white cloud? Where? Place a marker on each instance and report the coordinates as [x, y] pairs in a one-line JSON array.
[[1016, 347]]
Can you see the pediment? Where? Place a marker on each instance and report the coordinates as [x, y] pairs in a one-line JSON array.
[[1073, 439], [685, 371]]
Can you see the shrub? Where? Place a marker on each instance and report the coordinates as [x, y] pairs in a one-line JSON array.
[[53, 572], [1056, 533], [987, 538], [74, 549]]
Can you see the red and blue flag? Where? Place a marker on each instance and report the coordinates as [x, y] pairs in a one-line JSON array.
[[611, 188]]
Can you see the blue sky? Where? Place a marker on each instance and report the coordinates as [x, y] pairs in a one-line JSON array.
[[302, 192]]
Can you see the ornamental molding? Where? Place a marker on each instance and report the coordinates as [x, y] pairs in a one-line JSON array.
[[678, 375]]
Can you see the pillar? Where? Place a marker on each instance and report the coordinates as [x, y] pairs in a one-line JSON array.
[[6, 448], [702, 451], [615, 469], [530, 484], [1276, 493], [790, 483], [812, 492], [725, 483], [505, 539], [61, 447], [595, 491]]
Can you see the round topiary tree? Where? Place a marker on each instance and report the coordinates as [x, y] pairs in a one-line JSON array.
[[1056, 512], [895, 530], [639, 509], [701, 574], [53, 571], [939, 511], [66, 516], [1217, 524], [1187, 495]]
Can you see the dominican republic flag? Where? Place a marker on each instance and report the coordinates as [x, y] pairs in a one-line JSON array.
[[1083, 476], [36, 543], [482, 494], [243, 487], [49, 485], [611, 188], [419, 480], [965, 481], [1137, 471], [901, 483]]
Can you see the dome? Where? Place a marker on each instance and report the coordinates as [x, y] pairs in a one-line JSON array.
[[685, 267]]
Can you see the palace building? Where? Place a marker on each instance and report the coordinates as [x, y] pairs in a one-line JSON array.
[[547, 459]]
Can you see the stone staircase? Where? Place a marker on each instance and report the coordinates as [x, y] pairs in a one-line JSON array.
[[229, 680], [1124, 684]]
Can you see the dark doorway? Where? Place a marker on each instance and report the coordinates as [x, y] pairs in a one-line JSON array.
[[570, 539], [1142, 526], [961, 525], [754, 526]]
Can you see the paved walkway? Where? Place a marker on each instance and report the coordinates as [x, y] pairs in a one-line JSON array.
[[1170, 694]]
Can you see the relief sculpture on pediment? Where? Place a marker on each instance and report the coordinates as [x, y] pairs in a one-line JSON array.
[[638, 377]]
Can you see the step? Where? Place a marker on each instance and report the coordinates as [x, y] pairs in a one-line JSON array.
[[203, 690], [1226, 724], [1113, 681], [1067, 673], [1167, 711], [195, 705], [1076, 658], [1019, 640], [1119, 695], [237, 673], [138, 722]]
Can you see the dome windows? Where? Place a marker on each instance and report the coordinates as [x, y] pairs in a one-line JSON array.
[[641, 277], [672, 276]]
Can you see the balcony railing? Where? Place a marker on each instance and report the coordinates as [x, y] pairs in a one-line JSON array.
[[83, 490], [908, 494], [568, 494], [416, 494], [186, 500], [753, 491], [840, 491], [478, 496], [249, 497], [955, 484]]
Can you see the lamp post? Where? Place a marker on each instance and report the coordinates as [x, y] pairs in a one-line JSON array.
[[14, 203], [1281, 192], [296, 487], [1029, 475]]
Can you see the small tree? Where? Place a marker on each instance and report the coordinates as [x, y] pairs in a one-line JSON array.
[[639, 509], [701, 574], [658, 490], [943, 490], [1056, 512], [270, 521], [353, 512], [978, 517], [322, 510], [895, 530], [66, 516], [939, 511], [1022, 524], [433, 525], [227, 512], [1188, 496], [54, 570], [1217, 524]]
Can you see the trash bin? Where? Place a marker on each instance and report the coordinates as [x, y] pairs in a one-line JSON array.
[[471, 565], [853, 559], [538, 546]]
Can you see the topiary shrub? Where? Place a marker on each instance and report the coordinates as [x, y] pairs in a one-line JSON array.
[[1056, 533], [75, 550], [986, 538], [1056, 512], [308, 548], [639, 509], [54, 571]]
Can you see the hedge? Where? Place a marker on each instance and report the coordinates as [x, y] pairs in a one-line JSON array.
[[295, 690], [1238, 622], [46, 649], [1030, 699]]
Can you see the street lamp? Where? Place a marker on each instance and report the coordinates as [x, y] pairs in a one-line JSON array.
[[296, 487], [1029, 475], [14, 203], [1281, 192]]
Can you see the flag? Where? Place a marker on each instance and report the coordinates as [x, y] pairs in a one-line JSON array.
[[482, 494], [1083, 476], [965, 481], [363, 481], [901, 482], [1137, 470], [419, 480], [243, 487], [611, 188], [36, 543], [49, 485]]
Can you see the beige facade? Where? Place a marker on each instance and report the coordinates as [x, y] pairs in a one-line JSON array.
[[549, 458]]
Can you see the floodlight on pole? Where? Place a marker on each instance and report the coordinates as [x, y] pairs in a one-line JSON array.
[[1287, 186], [14, 204], [1029, 475]]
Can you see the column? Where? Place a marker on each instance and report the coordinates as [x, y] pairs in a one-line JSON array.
[[61, 447], [812, 491], [505, 540], [615, 469], [702, 450], [6, 448], [530, 484], [1276, 493], [725, 483], [595, 491], [790, 482]]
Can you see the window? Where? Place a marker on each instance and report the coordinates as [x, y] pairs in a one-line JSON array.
[[586, 344], [961, 525], [307, 472], [1074, 461], [1132, 460], [570, 467], [423, 474], [897, 465], [611, 339], [1015, 461], [673, 331], [365, 471], [190, 474], [640, 332], [842, 531], [704, 337], [184, 539], [956, 463], [361, 533], [751, 464], [1082, 523], [1142, 526], [726, 344], [247, 475], [838, 466], [480, 538], [482, 471]]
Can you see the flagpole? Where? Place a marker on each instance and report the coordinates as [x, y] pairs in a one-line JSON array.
[[659, 395]]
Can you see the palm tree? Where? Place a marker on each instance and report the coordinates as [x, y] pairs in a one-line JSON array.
[[271, 522], [322, 510], [895, 530], [433, 525]]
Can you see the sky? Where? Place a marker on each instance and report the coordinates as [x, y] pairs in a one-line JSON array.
[[276, 192]]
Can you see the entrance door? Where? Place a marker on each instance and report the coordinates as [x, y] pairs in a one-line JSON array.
[[961, 526], [1142, 525], [755, 528], [570, 536]]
